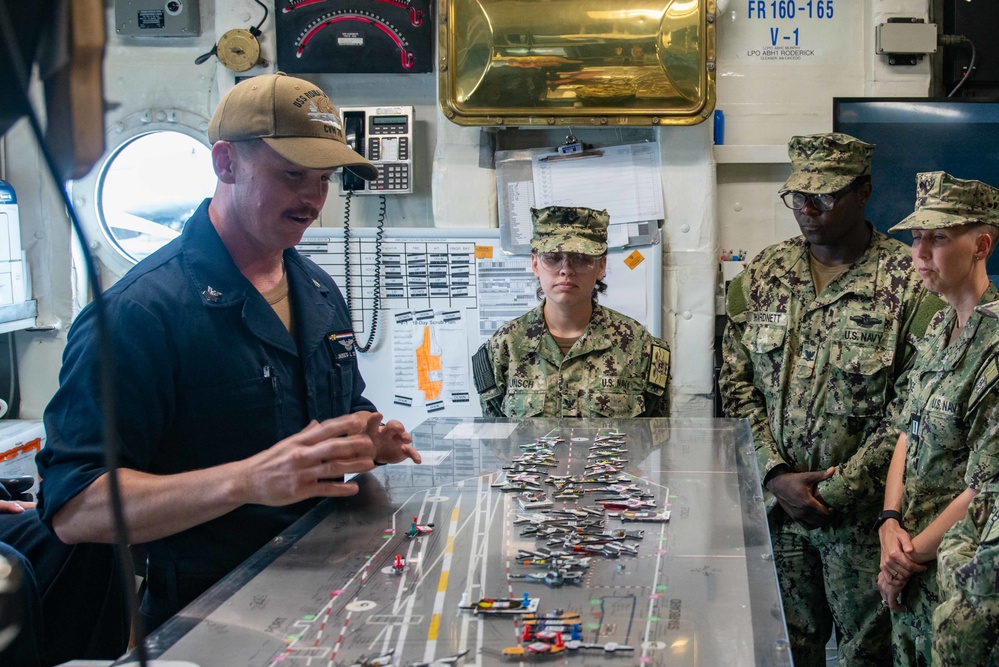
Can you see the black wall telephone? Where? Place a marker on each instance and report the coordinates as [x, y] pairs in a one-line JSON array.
[[384, 135]]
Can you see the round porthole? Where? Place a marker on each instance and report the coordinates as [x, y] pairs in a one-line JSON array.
[[149, 187], [157, 171]]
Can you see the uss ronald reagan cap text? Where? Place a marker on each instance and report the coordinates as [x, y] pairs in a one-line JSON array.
[[292, 116]]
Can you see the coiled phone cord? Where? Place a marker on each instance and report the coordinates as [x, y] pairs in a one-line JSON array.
[[378, 267]]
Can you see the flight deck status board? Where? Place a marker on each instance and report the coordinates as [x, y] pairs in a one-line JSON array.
[[422, 301], [578, 543]]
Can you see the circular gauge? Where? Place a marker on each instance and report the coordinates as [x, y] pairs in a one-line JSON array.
[[239, 50]]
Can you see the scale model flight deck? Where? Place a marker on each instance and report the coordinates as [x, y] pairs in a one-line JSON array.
[[564, 542]]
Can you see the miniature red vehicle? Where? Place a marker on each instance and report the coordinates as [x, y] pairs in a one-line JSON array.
[[416, 529], [399, 565], [537, 648]]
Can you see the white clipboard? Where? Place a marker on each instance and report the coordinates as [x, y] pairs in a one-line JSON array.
[[625, 180]]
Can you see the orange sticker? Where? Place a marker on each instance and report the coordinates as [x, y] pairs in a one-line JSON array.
[[634, 259], [483, 252]]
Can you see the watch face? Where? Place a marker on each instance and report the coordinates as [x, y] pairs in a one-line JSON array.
[[238, 50]]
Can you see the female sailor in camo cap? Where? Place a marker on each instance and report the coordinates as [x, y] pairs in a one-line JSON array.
[[571, 357], [948, 449]]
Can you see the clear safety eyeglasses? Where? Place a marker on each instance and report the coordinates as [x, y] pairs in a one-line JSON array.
[[553, 261], [824, 202]]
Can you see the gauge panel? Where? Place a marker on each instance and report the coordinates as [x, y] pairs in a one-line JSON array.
[[355, 36]]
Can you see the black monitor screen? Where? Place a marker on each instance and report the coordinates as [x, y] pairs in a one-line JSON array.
[[960, 137]]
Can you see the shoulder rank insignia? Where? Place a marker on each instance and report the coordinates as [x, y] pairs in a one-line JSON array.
[[659, 366]]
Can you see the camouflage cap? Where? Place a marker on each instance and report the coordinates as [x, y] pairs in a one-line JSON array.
[[945, 201], [569, 229], [826, 163]]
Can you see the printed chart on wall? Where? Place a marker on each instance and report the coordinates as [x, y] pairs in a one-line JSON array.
[[442, 294]]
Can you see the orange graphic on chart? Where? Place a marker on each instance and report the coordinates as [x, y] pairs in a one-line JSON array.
[[429, 376]]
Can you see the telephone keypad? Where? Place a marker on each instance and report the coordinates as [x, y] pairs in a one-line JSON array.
[[392, 177]]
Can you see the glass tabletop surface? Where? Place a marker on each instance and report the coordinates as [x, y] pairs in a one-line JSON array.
[[577, 542]]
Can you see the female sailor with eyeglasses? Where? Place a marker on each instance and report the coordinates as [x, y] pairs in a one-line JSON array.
[[570, 356]]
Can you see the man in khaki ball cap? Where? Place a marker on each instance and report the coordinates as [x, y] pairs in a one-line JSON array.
[[240, 400], [293, 117]]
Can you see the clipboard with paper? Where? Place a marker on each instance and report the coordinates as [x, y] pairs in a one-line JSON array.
[[624, 179]]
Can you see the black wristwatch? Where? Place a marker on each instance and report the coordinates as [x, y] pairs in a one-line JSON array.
[[884, 516]]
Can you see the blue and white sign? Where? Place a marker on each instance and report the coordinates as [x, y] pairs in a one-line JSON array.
[[810, 32]]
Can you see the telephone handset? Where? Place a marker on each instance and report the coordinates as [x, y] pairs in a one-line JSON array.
[[384, 135], [353, 132]]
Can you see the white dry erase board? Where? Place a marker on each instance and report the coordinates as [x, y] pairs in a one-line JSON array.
[[443, 292]]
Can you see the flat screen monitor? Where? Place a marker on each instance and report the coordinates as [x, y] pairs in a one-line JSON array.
[[960, 137]]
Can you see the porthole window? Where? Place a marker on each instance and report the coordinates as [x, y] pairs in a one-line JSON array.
[[148, 187]]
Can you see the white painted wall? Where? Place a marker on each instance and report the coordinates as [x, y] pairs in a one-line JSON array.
[[715, 198]]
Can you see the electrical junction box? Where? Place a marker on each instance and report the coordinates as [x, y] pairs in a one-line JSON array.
[[898, 38], [157, 18]]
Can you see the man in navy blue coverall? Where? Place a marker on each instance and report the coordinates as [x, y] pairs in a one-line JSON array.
[[237, 394]]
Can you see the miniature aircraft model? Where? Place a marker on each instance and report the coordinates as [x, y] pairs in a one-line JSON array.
[[533, 501], [384, 660], [553, 577], [523, 605], [556, 616], [642, 516], [627, 504]]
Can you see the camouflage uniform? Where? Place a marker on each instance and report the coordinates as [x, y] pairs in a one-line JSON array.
[[966, 623], [951, 446], [607, 373], [615, 369], [814, 375], [951, 411]]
